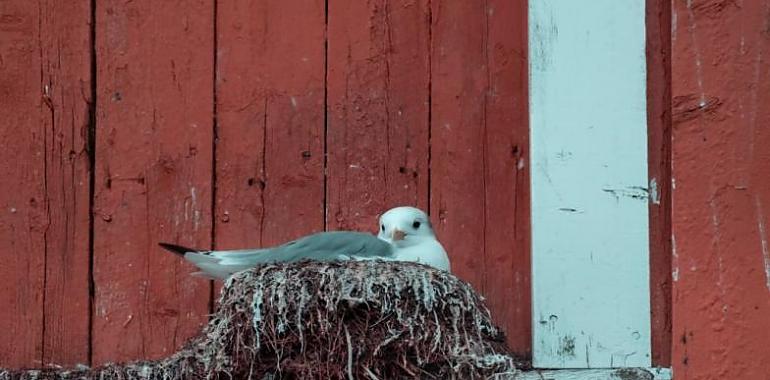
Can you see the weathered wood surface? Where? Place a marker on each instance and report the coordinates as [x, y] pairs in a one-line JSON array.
[[590, 236], [270, 121], [319, 126], [658, 14], [153, 173], [721, 193], [45, 91], [310, 118], [479, 152], [377, 109], [597, 374]]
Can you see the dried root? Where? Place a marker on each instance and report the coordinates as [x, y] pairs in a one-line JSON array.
[[348, 320]]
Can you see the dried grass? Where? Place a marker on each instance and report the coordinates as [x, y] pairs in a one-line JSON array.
[[346, 320]]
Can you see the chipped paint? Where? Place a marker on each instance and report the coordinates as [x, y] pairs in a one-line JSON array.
[[595, 277], [633, 192], [692, 29], [597, 374], [566, 346], [196, 217], [763, 240], [716, 243], [654, 194], [675, 260]]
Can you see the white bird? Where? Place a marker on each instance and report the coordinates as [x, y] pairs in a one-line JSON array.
[[405, 234]]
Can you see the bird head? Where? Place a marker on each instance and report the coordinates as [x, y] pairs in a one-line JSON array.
[[405, 227]]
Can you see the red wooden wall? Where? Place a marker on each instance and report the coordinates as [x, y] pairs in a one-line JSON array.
[[721, 197], [45, 101], [658, 23], [240, 123]]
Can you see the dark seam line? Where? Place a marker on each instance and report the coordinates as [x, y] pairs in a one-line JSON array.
[[214, 139], [91, 148]]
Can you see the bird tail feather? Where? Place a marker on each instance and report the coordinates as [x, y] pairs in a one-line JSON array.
[[177, 249], [220, 264]]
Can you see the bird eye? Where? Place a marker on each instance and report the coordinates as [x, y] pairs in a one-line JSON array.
[[416, 224], [382, 227]]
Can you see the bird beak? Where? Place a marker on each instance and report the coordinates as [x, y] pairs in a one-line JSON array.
[[398, 235]]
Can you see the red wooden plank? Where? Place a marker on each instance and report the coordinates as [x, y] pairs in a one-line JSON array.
[[659, 157], [459, 79], [506, 177], [45, 87], [721, 197], [23, 199], [153, 173], [377, 132], [66, 57], [270, 117], [479, 148]]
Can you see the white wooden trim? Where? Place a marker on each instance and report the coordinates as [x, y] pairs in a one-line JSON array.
[[598, 374], [590, 248]]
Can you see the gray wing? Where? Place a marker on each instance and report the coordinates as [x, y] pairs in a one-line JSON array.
[[322, 246]]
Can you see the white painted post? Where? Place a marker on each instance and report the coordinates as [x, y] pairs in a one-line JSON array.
[[590, 249]]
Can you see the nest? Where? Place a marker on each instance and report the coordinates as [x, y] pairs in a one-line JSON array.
[[347, 320]]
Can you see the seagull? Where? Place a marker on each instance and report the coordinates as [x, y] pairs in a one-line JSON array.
[[405, 234]]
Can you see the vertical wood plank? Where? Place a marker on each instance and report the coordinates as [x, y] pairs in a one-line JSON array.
[[377, 132], [506, 175], [153, 173], [479, 153], [659, 136], [721, 195], [66, 62], [45, 93], [590, 242], [459, 80], [23, 203], [270, 121]]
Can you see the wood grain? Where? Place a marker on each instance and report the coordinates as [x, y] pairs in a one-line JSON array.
[[590, 185], [459, 84], [659, 159], [506, 176], [597, 374], [479, 153], [66, 57], [251, 124], [270, 121], [23, 199], [44, 203], [153, 173], [377, 132]]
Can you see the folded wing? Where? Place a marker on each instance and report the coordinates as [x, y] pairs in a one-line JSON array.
[[322, 246]]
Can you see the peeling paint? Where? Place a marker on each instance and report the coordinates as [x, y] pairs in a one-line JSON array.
[[589, 182], [698, 61], [763, 240], [545, 32], [674, 18], [675, 261], [716, 242], [566, 346], [654, 194], [634, 192]]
